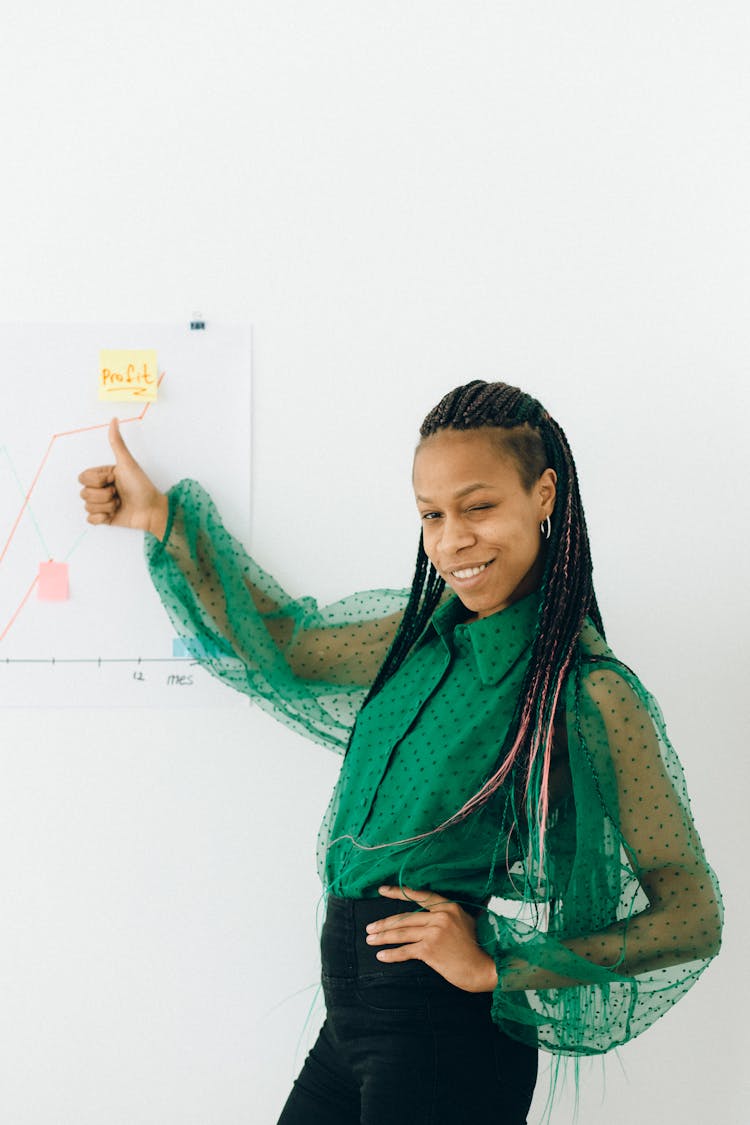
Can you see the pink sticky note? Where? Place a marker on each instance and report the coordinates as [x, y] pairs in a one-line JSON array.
[[53, 582]]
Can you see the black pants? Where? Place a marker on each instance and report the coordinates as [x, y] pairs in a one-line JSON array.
[[400, 1045]]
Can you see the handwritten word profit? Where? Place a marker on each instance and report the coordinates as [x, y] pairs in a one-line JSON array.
[[128, 376]]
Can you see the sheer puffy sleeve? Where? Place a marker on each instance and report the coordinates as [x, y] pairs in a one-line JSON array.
[[634, 911], [309, 666]]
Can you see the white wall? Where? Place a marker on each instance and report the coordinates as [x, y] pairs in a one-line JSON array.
[[400, 196]]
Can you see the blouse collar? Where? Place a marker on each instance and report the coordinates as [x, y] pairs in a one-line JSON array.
[[498, 641]]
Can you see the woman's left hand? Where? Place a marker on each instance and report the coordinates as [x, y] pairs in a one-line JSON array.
[[441, 934]]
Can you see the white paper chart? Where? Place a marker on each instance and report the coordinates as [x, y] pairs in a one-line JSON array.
[[80, 621]]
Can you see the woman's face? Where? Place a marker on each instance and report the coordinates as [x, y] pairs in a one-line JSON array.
[[480, 525]]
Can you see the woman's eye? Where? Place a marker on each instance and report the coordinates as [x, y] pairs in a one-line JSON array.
[[429, 515], [480, 507]]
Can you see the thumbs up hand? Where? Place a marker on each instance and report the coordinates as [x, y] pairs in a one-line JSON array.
[[121, 494]]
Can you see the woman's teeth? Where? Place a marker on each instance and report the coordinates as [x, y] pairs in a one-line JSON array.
[[471, 572]]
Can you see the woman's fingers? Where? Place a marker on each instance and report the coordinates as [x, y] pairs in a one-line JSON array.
[[401, 892], [396, 922], [397, 934], [426, 899], [98, 495], [100, 502], [407, 952], [97, 477]]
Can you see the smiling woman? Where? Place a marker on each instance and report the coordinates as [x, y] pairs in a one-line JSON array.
[[483, 536], [494, 748]]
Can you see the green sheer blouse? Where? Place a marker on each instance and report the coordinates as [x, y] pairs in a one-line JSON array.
[[626, 913]]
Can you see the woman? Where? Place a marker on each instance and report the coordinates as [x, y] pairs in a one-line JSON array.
[[494, 747]]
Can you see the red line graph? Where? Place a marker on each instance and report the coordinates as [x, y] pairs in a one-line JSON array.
[[35, 481], [25, 598]]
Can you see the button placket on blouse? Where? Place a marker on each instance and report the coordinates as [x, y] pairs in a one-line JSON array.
[[427, 669]]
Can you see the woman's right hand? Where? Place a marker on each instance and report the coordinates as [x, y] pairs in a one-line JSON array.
[[121, 494]]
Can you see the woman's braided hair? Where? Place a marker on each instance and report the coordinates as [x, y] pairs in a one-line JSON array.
[[527, 432]]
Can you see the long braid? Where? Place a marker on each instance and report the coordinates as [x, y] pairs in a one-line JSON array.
[[566, 596], [426, 590]]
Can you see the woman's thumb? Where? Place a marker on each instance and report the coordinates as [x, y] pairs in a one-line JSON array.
[[117, 442]]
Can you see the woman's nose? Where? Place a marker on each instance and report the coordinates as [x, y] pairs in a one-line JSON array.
[[456, 533]]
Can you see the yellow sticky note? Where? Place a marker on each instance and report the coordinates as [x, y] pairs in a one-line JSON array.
[[128, 375]]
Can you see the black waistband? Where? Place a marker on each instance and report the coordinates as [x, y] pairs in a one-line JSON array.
[[371, 909], [345, 951]]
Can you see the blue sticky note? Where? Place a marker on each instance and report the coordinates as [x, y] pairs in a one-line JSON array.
[[191, 648]]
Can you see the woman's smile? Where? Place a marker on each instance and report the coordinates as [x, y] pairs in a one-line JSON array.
[[468, 575]]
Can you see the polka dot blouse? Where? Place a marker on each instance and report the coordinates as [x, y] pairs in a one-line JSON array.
[[624, 912]]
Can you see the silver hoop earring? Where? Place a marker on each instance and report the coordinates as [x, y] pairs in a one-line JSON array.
[[546, 528]]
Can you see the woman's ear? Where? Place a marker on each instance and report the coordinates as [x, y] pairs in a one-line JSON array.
[[547, 491]]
